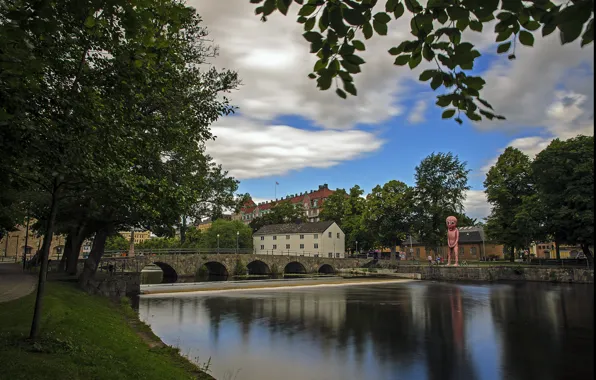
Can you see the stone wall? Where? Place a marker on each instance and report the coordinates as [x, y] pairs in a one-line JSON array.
[[114, 286], [496, 273]]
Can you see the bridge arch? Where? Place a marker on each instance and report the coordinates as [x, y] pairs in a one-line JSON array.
[[215, 268], [326, 269], [258, 267], [295, 267], [169, 273]]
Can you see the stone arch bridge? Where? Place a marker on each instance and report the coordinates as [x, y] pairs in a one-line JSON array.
[[174, 265]]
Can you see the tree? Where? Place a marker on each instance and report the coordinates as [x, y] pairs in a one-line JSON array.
[[507, 184], [441, 185], [227, 231], [564, 175], [335, 207], [438, 30], [281, 212], [117, 242], [389, 213]]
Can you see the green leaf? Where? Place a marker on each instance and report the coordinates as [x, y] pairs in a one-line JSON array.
[[382, 17], [548, 29], [503, 36], [427, 52], [312, 36], [414, 6], [354, 17], [350, 88], [367, 30], [443, 100], [437, 81], [570, 31], [476, 83], [309, 24], [448, 114], [350, 67], [402, 60], [89, 22], [390, 5], [399, 11], [306, 10], [531, 25], [341, 93], [324, 19], [503, 48], [319, 65], [462, 24], [426, 75], [312, 76], [415, 60], [354, 59], [485, 103], [358, 45], [476, 26], [324, 82], [458, 13], [395, 50], [526, 38], [283, 5], [380, 28], [588, 35]]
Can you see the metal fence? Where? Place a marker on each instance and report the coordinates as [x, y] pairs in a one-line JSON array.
[[181, 251]]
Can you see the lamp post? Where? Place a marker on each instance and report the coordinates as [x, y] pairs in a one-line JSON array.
[[26, 243], [356, 246], [237, 237], [218, 244]]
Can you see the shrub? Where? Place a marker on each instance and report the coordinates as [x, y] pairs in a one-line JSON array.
[[240, 268]]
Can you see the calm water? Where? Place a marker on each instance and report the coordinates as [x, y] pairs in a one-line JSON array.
[[417, 330]]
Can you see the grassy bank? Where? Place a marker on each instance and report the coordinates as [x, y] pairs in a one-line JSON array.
[[84, 337]]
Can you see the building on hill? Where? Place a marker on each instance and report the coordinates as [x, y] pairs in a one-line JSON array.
[[206, 224], [140, 235], [472, 246], [312, 201], [316, 239], [12, 245]]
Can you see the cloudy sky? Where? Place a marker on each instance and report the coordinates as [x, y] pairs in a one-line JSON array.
[[288, 131]]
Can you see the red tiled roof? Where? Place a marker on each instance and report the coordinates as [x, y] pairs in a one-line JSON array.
[[317, 194]]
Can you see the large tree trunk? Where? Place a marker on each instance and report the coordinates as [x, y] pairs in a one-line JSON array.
[[588, 253], [183, 230], [558, 249], [78, 235], [92, 262], [43, 271], [512, 254], [67, 252]]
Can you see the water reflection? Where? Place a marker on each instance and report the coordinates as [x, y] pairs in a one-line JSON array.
[[403, 331]]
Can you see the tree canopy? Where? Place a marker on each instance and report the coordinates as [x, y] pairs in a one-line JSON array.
[[281, 212], [441, 31]]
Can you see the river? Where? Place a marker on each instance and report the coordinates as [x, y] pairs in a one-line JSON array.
[[414, 330]]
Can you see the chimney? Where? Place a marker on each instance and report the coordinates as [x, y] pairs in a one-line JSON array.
[[325, 186]]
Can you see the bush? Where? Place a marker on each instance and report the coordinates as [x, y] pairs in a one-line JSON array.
[[240, 268]]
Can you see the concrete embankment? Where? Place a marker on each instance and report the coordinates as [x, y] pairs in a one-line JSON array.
[[225, 286], [485, 273]]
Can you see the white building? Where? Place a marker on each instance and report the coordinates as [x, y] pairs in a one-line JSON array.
[[318, 239]]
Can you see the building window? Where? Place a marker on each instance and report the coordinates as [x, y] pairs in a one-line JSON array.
[[262, 247], [418, 252], [274, 237], [287, 246], [262, 237], [330, 253], [301, 246], [287, 237], [338, 235], [337, 254], [316, 255], [316, 245], [316, 236], [473, 251], [301, 236], [329, 234], [274, 246]]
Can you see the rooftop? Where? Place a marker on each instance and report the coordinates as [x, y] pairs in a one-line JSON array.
[[294, 228]]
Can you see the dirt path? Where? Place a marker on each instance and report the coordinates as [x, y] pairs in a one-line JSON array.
[[14, 283]]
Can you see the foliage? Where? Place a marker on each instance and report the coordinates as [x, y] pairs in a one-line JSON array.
[[117, 242], [81, 339], [228, 231], [441, 185], [280, 212], [389, 213], [239, 268], [441, 29], [159, 243], [508, 184], [564, 176]]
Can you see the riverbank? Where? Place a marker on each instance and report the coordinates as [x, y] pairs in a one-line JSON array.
[[85, 337], [227, 286]]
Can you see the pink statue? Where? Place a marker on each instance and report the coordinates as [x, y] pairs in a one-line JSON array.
[[452, 239]]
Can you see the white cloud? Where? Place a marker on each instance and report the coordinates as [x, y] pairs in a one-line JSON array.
[[417, 114], [476, 205], [249, 149]]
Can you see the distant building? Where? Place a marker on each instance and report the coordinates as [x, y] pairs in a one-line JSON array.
[[206, 224], [313, 203], [472, 246], [140, 235], [316, 239], [547, 250], [13, 243]]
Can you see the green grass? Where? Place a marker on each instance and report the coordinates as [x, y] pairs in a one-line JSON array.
[[84, 337]]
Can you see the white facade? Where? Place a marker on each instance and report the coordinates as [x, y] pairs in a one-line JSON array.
[[328, 243]]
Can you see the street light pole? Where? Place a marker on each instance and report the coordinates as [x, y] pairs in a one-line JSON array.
[[356, 246], [237, 236], [26, 243], [218, 244], [411, 249]]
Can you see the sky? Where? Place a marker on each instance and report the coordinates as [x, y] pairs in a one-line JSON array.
[[285, 130]]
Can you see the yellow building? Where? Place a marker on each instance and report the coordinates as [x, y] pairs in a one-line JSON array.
[[12, 245], [204, 225], [140, 236]]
